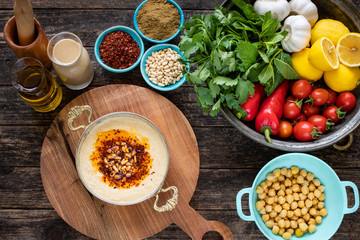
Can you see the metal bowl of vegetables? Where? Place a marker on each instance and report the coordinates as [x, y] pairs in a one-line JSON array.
[[248, 52]]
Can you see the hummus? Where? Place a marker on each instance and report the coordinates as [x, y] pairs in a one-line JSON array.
[[93, 178]]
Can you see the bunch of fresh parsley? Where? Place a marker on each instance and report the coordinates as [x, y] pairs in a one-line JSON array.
[[232, 50]]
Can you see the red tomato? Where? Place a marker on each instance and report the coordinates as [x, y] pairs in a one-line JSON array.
[[332, 97], [285, 129], [290, 98], [320, 96], [306, 131], [334, 113], [321, 122], [309, 110], [301, 89], [346, 100], [300, 118], [291, 110]]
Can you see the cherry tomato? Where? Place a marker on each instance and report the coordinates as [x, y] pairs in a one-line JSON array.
[[334, 113], [309, 110], [319, 96], [332, 97], [346, 100], [301, 89], [290, 98], [291, 110], [321, 122], [306, 131], [299, 118], [285, 129]]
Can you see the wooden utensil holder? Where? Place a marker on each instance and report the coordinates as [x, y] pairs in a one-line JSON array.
[[37, 49]]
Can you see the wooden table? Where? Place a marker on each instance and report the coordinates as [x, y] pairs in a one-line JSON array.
[[229, 160]]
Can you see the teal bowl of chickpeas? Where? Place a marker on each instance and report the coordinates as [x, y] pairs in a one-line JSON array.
[[297, 196]]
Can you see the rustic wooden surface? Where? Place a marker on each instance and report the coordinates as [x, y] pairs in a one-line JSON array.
[[229, 161]]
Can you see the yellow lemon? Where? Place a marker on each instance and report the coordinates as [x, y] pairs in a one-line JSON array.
[[342, 79], [348, 49], [329, 28], [303, 67], [323, 55]]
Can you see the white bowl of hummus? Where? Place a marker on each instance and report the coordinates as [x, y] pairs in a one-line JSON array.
[[122, 158]]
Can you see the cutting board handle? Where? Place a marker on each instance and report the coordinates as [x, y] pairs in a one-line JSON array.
[[75, 112], [195, 225]]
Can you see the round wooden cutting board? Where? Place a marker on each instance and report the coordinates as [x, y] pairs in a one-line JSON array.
[[101, 220]]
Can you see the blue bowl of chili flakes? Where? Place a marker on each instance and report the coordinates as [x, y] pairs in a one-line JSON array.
[[119, 49]]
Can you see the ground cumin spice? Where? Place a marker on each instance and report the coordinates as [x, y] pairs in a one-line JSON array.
[[158, 19], [122, 158]]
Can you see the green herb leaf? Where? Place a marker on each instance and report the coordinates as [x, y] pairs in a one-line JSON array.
[[266, 74], [247, 53], [188, 47], [221, 80], [216, 108], [243, 89], [285, 69]]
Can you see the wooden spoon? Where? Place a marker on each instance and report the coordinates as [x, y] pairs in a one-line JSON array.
[[24, 16]]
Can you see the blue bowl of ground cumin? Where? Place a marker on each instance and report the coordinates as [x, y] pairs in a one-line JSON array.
[[155, 40]]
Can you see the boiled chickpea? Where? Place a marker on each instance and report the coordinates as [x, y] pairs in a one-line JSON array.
[[270, 200], [302, 197], [303, 172], [269, 223], [294, 205], [275, 230], [282, 186], [269, 183], [312, 228], [281, 200], [295, 188], [277, 172], [288, 191], [277, 219], [259, 190], [271, 177], [304, 211], [281, 178], [259, 204], [268, 208], [300, 220], [306, 217], [294, 170], [289, 174], [311, 195], [304, 190], [265, 217], [293, 181], [313, 212], [262, 195], [321, 188], [310, 176], [276, 186], [311, 221], [301, 204], [293, 224], [322, 197], [318, 219], [315, 201], [287, 182], [316, 182], [323, 212], [286, 206], [321, 205], [281, 223], [287, 223], [283, 171], [277, 208], [300, 179], [281, 193], [312, 187], [299, 233], [272, 214], [303, 227], [271, 192], [308, 203], [305, 183], [283, 213], [263, 185], [317, 193], [262, 211], [290, 214], [281, 231], [297, 212], [296, 196], [289, 198], [286, 235], [290, 230]]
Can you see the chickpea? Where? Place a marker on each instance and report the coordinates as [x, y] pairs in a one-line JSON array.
[[321, 205], [312, 187], [286, 206], [262, 211], [318, 219], [296, 196], [303, 227], [269, 223], [290, 214], [287, 182], [302, 197], [271, 192], [277, 208], [311, 196], [281, 231], [265, 217], [293, 181], [322, 197], [281, 178], [281, 223], [300, 179], [304, 190], [308, 203], [304, 211], [311, 221], [295, 218], [289, 198], [272, 214], [271, 177], [262, 195], [293, 224], [323, 212], [310, 176], [305, 183], [282, 186], [313, 212], [299, 233], [306, 217], [281, 200], [259, 190], [287, 224], [295, 188], [281, 193], [317, 193], [268, 182], [300, 220], [276, 186], [275, 230], [268, 208], [283, 171], [283, 213], [277, 219], [259, 205], [294, 170], [277, 172], [297, 212], [316, 182], [263, 185], [301, 204], [321, 188], [312, 228], [289, 174], [303, 172], [294, 205], [288, 191], [315, 201], [286, 235], [290, 230]]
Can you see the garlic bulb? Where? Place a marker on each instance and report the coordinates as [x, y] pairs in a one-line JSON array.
[[306, 8], [299, 33], [278, 8]]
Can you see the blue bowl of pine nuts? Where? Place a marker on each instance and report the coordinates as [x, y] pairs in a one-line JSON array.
[[297, 196], [161, 69]]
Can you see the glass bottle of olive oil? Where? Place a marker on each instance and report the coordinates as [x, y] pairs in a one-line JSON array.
[[36, 85]]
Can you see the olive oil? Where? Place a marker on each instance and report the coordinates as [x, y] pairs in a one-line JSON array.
[[38, 87]]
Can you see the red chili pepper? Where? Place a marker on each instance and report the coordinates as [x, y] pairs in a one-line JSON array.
[[267, 120], [251, 106]]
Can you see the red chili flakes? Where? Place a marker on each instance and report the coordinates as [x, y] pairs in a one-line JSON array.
[[119, 50]]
